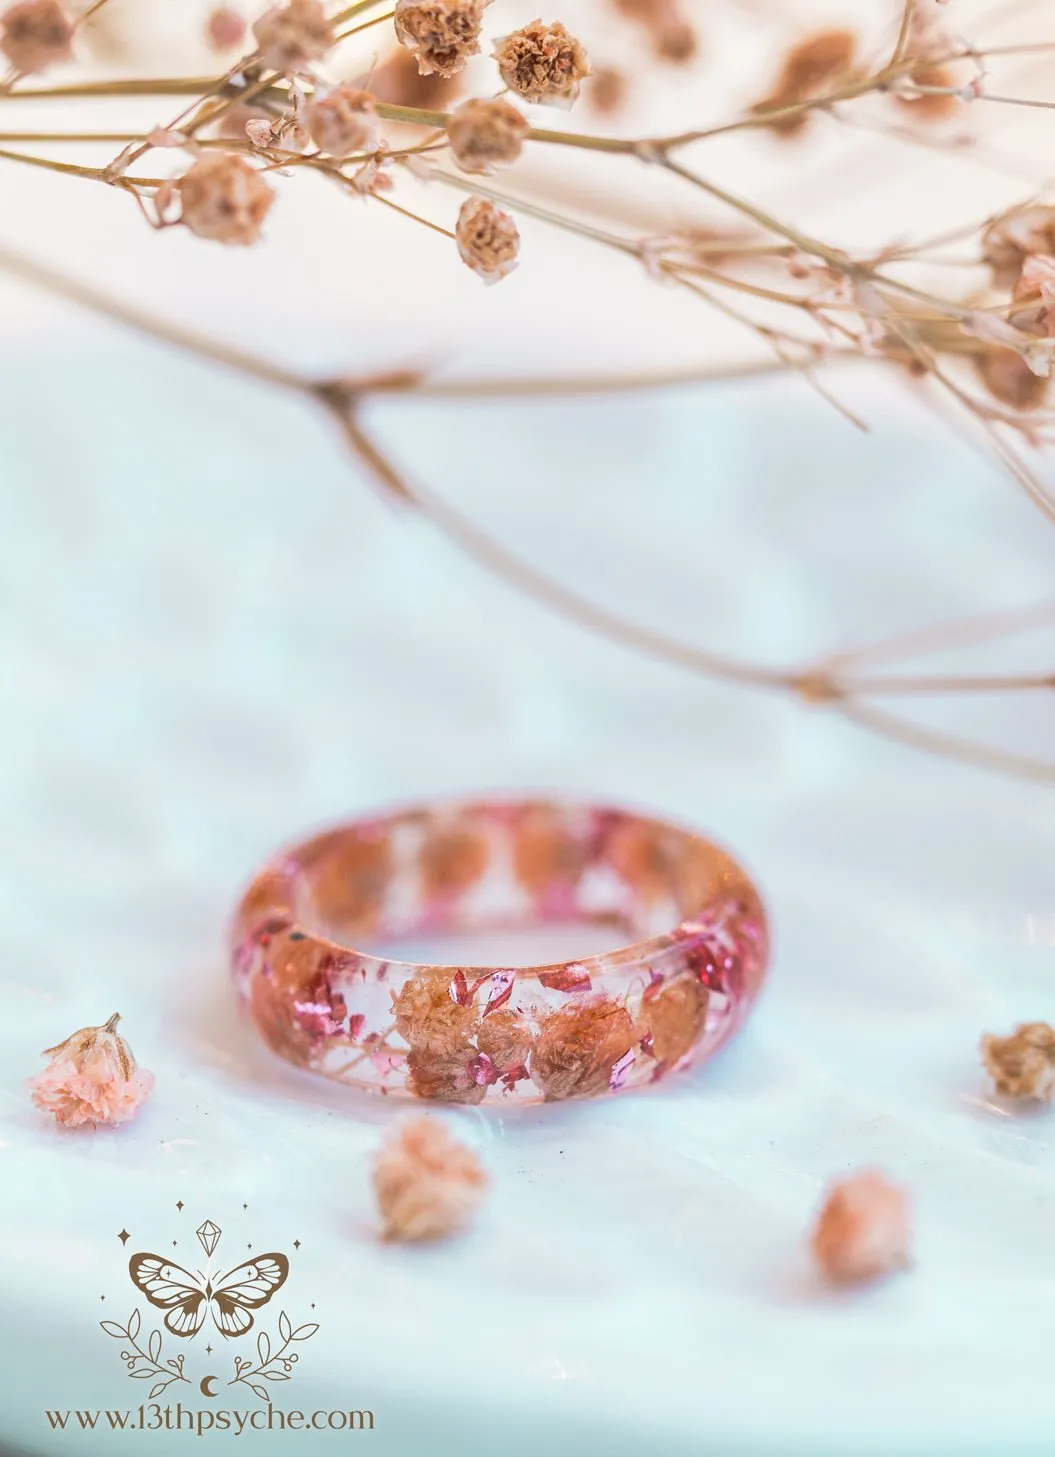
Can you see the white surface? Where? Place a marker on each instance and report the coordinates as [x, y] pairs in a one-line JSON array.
[[214, 637]]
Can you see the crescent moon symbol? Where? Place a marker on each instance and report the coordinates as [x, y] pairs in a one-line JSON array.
[[204, 1386]]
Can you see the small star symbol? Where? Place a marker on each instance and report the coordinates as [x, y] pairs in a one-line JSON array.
[[173, 1244], [124, 1236], [296, 1244], [245, 1206], [208, 1350], [313, 1305], [102, 1297], [179, 1205], [249, 1246]]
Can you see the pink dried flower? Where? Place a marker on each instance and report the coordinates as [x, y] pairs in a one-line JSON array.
[[862, 1231], [440, 34], [343, 121], [91, 1079], [224, 199], [488, 239], [486, 133], [542, 63], [427, 1184], [1022, 1065], [1015, 236], [291, 37], [579, 1047], [1009, 379], [35, 34], [429, 1017], [225, 29], [607, 90], [282, 132]]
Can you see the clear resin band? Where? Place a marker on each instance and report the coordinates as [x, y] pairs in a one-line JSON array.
[[469, 1034]]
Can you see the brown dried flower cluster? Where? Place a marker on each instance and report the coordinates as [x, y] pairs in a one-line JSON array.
[[862, 1231], [488, 239], [1022, 1065], [1011, 238], [809, 69], [292, 37], [675, 1015], [542, 63], [1009, 379], [486, 133], [35, 34], [428, 1185], [579, 1046], [343, 121], [441, 34], [224, 199]]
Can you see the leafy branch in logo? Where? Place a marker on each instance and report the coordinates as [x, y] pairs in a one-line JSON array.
[[143, 1365], [271, 1365]]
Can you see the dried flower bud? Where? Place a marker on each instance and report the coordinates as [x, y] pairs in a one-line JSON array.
[[427, 1184], [506, 1039], [810, 68], [485, 134], [1009, 379], [291, 37], [862, 1231], [282, 132], [225, 29], [441, 34], [92, 1078], [607, 90], [343, 121], [931, 105], [488, 239], [399, 81], [542, 63], [676, 42], [224, 199], [1015, 236], [35, 34], [1022, 1065], [675, 1013], [429, 1015], [578, 1047]]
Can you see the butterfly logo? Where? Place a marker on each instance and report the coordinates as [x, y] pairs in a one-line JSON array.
[[187, 1299]]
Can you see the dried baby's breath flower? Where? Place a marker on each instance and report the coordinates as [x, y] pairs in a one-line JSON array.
[[398, 80], [931, 105], [445, 1079], [343, 121], [224, 199], [862, 1231], [1009, 379], [547, 854], [35, 34], [676, 42], [607, 90], [486, 133], [675, 1013], [291, 37], [488, 239], [429, 1014], [1015, 236], [1022, 1065], [428, 1185], [280, 132], [506, 1039], [91, 1079], [1033, 300], [578, 1047], [441, 34], [452, 859], [809, 69], [542, 63], [225, 29]]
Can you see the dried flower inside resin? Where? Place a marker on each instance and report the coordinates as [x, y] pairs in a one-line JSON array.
[[224, 199], [432, 1013], [92, 1078], [35, 34], [1010, 239], [452, 859], [675, 1013], [292, 37], [810, 68], [343, 121], [548, 857], [505, 1040], [863, 1229], [225, 29], [486, 133], [542, 63], [578, 1047], [1009, 379], [642, 854], [449, 1078], [1022, 1065], [488, 239], [428, 1185], [440, 34]]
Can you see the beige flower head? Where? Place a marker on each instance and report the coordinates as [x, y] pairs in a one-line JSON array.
[[542, 63], [579, 1046], [292, 37], [440, 34], [1022, 1065], [488, 239], [1010, 239], [428, 1185], [91, 1079], [486, 133], [863, 1229], [343, 121], [35, 34], [224, 199]]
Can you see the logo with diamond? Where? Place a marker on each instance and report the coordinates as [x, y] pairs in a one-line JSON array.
[[202, 1310]]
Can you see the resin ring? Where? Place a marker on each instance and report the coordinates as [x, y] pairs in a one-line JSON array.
[[463, 1034]]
